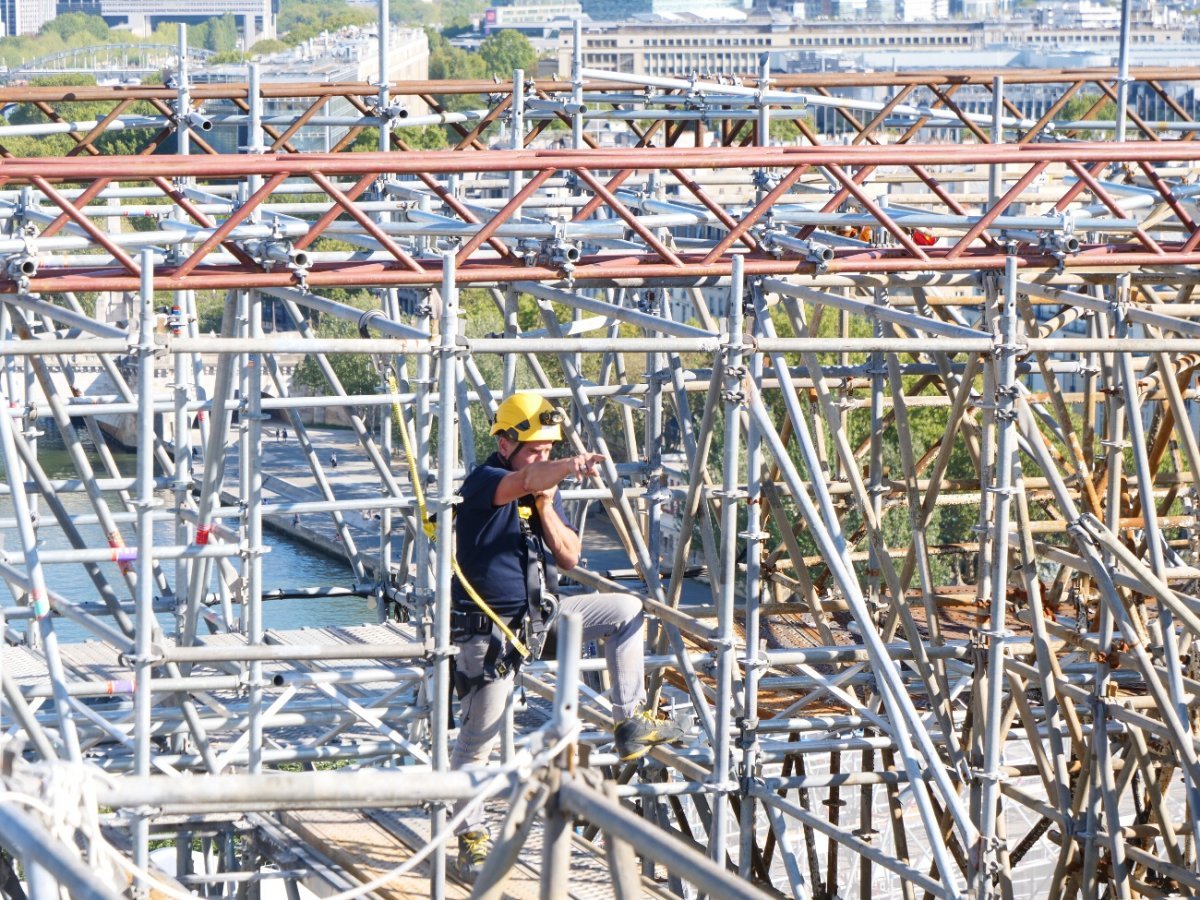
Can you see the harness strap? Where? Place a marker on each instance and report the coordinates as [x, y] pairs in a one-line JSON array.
[[541, 584]]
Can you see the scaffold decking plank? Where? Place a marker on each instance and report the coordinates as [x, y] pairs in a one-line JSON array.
[[365, 849], [590, 877]]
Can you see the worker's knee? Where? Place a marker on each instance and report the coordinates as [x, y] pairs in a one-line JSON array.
[[628, 609]]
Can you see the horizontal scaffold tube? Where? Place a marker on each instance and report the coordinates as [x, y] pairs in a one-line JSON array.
[[285, 652], [378, 788]]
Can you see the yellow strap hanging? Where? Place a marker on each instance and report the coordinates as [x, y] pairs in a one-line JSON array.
[[429, 526]]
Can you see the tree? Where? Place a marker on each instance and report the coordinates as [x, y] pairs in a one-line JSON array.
[[228, 57], [786, 131], [504, 51], [222, 34], [71, 24], [444, 14], [429, 137], [267, 46], [197, 35], [1086, 107], [449, 62]]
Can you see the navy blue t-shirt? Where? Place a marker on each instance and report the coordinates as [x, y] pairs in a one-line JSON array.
[[491, 549]]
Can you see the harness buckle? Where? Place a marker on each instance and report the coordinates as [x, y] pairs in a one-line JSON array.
[[541, 621]]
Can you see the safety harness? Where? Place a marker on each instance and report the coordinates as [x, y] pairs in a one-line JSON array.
[[541, 583], [533, 623], [506, 651]]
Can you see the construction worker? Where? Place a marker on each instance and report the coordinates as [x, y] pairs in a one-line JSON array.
[[512, 539]]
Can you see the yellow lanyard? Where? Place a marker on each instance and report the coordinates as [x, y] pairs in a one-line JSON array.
[[429, 526]]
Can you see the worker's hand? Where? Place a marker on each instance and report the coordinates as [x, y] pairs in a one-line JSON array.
[[584, 465]]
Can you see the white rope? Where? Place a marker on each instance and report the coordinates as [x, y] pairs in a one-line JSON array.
[[97, 845], [71, 807]]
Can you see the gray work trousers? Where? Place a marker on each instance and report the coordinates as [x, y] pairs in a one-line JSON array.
[[615, 619]]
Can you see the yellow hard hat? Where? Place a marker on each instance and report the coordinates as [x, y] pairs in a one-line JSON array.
[[525, 416]]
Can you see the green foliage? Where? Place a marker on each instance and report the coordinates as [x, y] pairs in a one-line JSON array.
[[786, 131], [75, 30], [300, 21], [449, 62], [210, 307], [222, 34], [228, 57], [69, 25], [197, 34], [64, 80], [450, 15], [267, 46], [356, 371], [504, 51], [113, 143], [1080, 107], [498, 56], [423, 138]]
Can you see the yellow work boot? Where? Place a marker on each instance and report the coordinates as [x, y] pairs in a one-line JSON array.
[[643, 730], [473, 850]]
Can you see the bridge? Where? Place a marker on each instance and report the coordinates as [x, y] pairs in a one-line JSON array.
[[108, 62]]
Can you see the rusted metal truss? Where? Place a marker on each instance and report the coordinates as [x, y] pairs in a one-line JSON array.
[[903, 104], [594, 221]]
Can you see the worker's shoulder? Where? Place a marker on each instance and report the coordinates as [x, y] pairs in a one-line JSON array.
[[490, 471]]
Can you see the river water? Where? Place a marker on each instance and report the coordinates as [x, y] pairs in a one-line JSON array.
[[286, 565]]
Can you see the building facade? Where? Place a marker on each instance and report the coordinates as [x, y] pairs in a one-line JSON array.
[[255, 17], [680, 48], [25, 16], [622, 10], [351, 55], [530, 16]]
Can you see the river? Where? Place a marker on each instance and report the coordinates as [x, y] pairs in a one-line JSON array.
[[286, 565]]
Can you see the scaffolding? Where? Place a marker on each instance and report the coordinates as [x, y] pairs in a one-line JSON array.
[[917, 421]]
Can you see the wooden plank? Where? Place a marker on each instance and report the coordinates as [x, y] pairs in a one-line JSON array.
[[365, 850], [590, 878], [413, 829]]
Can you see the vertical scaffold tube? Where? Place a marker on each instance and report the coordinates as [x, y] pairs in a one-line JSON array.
[[1123, 71], [385, 76], [995, 170], [39, 597], [254, 526], [731, 496], [556, 847], [144, 618], [577, 84], [908, 731], [1005, 363], [754, 539], [447, 463], [183, 99], [1153, 537]]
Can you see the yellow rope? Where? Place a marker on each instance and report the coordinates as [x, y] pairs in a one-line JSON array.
[[429, 526]]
